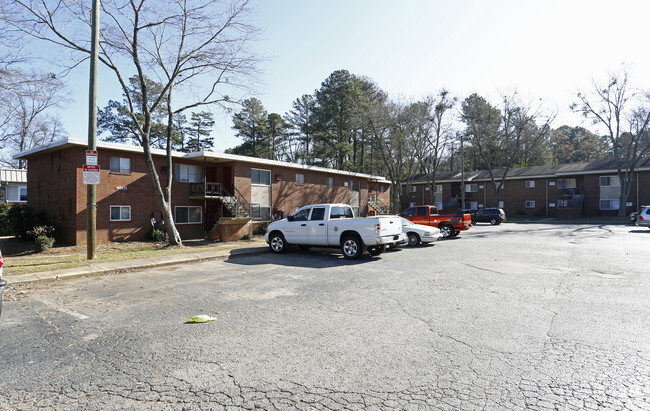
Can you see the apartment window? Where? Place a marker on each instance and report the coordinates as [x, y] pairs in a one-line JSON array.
[[414, 189], [260, 213], [472, 205], [120, 165], [470, 188], [566, 183], [437, 188], [187, 214], [499, 186], [608, 181], [188, 173], [609, 204], [530, 183], [530, 204], [261, 177], [16, 194], [382, 189], [300, 178], [500, 204], [329, 182], [120, 213]]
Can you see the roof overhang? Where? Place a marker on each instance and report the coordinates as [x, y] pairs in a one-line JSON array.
[[207, 156]]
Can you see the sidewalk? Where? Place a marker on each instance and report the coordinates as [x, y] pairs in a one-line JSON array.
[[137, 264]]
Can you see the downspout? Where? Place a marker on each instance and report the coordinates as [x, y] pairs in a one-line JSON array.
[[638, 205], [484, 195], [546, 191]]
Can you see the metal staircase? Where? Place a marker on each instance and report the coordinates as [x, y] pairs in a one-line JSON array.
[[235, 203], [377, 204]]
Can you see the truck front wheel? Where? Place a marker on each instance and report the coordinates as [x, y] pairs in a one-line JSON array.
[[446, 230], [277, 243], [351, 247]]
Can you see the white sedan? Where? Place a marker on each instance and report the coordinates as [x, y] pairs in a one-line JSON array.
[[417, 233]]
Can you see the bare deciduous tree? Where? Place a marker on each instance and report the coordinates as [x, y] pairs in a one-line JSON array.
[[504, 137], [625, 115], [195, 47], [24, 119]]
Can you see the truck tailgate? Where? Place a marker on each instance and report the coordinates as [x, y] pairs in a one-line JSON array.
[[389, 226]]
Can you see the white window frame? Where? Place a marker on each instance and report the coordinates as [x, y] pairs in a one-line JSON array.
[[414, 189], [611, 200], [471, 188], [200, 214], [437, 188], [499, 185], [260, 183], [530, 183], [121, 207], [472, 205], [530, 203], [15, 191], [187, 173], [300, 179], [617, 184], [123, 165], [329, 181], [501, 204], [564, 181]]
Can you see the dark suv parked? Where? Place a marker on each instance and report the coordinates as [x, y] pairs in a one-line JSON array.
[[492, 215]]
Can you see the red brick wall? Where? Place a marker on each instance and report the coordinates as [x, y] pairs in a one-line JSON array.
[[55, 181], [286, 195], [515, 194], [51, 182]]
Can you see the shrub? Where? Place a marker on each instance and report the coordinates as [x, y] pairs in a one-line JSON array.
[[5, 228], [159, 236], [23, 218], [42, 230], [43, 243]]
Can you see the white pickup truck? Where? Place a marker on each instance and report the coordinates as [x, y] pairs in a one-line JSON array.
[[334, 225]]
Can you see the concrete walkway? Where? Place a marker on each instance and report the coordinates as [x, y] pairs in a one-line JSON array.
[[138, 264]]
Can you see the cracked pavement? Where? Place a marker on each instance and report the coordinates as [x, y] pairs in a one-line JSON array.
[[511, 317]]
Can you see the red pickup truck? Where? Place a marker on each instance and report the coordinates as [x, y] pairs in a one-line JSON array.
[[450, 225]]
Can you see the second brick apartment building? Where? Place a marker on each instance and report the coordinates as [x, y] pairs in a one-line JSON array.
[[566, 190]]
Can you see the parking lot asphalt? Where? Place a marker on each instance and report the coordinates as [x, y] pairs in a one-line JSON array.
[[533, 316]]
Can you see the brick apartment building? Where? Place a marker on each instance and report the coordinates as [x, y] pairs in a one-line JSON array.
[[209, 190], [567, 190]]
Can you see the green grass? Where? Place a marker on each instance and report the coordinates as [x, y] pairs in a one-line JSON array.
[[40, 263]]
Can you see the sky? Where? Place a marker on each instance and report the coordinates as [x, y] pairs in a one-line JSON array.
[[546, 50]]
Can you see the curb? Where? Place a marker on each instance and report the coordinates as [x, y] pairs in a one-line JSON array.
[[132, 265]]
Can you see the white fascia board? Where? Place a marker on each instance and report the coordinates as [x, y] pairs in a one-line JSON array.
[[100, 145], [267, 162], [197, 156], [609, 171]]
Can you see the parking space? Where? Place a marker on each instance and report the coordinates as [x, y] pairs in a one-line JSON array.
[[512, 316]]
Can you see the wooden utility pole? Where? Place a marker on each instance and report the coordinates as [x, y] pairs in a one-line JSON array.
[[91, 201]]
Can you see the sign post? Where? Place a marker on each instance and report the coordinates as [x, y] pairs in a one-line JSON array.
[[91, 192]]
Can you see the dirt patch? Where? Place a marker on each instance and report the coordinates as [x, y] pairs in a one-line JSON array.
[[16, 247]]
